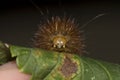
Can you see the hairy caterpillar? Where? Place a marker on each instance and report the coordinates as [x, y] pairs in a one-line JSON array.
[[59, 34]]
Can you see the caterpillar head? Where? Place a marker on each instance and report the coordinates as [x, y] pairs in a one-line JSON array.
[[59, 34], [59, 41]]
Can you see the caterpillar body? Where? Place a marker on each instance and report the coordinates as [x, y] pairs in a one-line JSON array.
[[59, 34]]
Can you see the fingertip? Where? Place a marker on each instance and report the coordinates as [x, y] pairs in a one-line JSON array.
[[9, 71]]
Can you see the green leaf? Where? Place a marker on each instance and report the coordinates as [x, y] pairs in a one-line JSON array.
[[48, 65]]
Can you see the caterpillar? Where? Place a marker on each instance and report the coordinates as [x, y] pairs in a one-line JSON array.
[[59, 34]]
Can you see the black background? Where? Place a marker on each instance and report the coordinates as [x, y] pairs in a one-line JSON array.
[[19, 21]]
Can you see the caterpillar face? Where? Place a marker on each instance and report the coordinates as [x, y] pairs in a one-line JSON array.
[[59, 41], [61, 35]]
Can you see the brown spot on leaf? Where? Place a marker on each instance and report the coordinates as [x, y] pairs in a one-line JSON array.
[[69, 67]]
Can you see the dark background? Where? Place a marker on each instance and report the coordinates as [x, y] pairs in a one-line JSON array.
[[19, 21]]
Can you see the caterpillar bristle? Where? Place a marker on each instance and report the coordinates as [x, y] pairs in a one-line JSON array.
[[59, 34]]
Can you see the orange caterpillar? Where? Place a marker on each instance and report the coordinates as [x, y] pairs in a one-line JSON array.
[[59, 34]]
